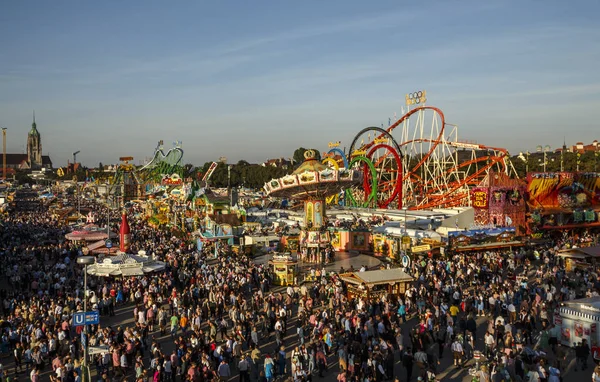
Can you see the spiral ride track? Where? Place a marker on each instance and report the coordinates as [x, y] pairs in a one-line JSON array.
[[429, 167]]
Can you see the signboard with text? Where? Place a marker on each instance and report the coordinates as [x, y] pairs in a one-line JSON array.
[[480, 198], [86, 318]]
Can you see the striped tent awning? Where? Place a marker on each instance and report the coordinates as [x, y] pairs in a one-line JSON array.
[[578, 314]]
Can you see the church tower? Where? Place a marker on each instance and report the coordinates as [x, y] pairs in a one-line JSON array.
[[34, 146]]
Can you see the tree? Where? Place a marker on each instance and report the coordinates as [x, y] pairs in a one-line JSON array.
[[299, 155], [22, 177]]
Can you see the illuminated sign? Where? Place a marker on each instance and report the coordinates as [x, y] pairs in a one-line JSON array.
[[421, 248], [173, 180], [480, 199], [359, 153], [380, 141], [334, 144]]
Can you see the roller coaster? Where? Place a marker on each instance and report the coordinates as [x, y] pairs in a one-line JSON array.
[[418, 162]]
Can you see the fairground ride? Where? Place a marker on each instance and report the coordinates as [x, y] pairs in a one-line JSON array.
[[124, 185], [418, 162], [162, 164]]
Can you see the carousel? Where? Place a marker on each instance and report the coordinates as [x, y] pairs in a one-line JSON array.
[[90, 233], [312, 183]]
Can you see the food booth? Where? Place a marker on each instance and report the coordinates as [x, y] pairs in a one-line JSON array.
[[372, 284], [579, 258], [285, 269], [579, 320]]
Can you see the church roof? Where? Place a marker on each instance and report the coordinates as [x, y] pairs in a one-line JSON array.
[[15, 159], [46, 160], [34, 130]]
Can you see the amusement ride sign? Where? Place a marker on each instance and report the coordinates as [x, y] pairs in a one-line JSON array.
[[480, 199], [173, 180]]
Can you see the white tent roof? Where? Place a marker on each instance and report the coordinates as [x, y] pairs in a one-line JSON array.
[[125, 265]]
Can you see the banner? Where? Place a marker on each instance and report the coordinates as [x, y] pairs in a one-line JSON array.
[[480, 199], [565, 190]]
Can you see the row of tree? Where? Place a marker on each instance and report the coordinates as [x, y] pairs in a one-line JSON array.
[[244, 174]]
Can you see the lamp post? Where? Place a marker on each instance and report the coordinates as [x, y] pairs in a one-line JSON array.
[[108, 221], [545, 150], [4, 153], [85, 261]]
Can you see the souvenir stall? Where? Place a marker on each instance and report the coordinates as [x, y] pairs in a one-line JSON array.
[[579, 320]]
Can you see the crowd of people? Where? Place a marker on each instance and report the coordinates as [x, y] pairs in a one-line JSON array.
[[213, 318]]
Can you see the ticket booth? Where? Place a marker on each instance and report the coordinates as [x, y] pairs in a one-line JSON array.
[[285, 269]]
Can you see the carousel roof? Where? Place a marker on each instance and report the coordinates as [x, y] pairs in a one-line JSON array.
[[126, 265], [310, 164], [89, 232], [312, 179]]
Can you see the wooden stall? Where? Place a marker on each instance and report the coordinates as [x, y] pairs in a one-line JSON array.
[[580, 258], [373, 284]]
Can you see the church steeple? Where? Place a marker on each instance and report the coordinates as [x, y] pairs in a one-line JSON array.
[[34, 146], [34, 130]]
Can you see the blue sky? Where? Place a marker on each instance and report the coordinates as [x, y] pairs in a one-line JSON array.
[[257, 79]]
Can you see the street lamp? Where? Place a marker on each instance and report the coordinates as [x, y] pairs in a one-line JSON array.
[[4, 153], [85, 261], [545, 150]]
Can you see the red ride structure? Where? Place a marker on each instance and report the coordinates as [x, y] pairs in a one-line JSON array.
[[429, 167]]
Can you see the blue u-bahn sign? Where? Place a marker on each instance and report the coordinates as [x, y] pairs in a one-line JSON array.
[[86, 318]]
